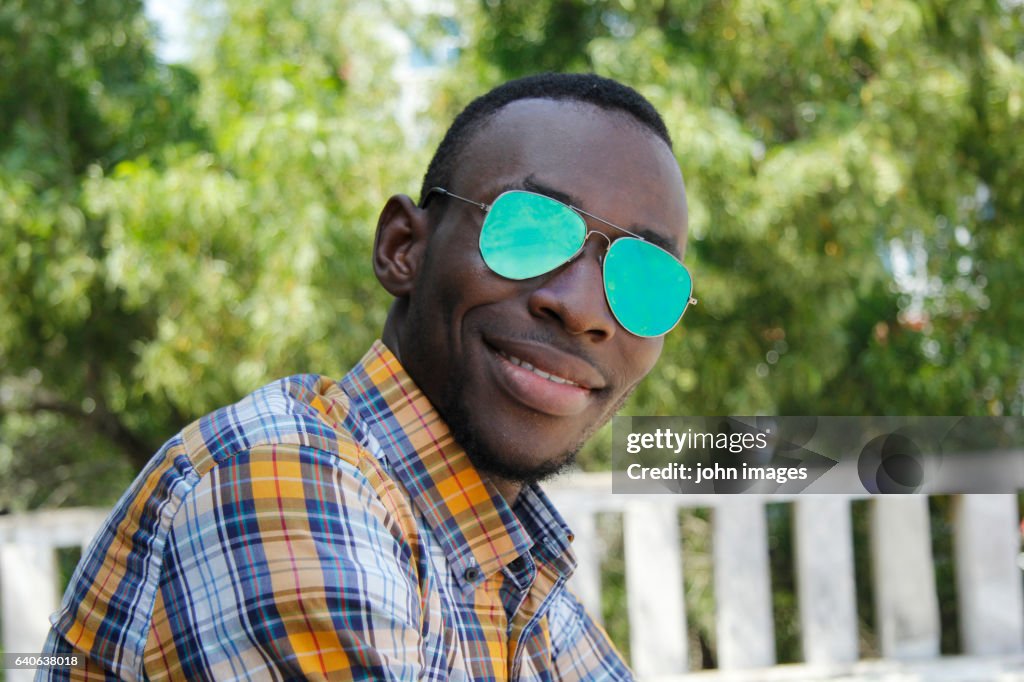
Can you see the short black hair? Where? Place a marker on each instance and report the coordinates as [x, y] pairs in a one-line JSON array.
[[579, 87]]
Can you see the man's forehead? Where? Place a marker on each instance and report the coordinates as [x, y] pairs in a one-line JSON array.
[[601, 161]]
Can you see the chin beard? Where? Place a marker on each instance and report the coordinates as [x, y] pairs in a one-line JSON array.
[[488, 460], [485, 458]]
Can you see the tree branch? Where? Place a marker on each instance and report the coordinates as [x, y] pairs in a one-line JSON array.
[[100, 421]]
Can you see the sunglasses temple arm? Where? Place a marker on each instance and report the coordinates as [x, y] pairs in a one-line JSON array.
[[689, 303], [441, 190]]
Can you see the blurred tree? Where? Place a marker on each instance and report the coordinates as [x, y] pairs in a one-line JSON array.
[[176, 237], [172, 237], [168, 247], [853, 172], [80, 92]]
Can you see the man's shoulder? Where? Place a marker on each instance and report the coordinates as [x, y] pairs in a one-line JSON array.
[[285, 453], [307, 410]]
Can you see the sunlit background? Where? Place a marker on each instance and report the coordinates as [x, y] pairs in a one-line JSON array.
[[188, 195]]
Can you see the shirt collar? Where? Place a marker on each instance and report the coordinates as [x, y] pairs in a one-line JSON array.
[[479, 532]]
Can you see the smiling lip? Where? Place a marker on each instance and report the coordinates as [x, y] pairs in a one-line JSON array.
[[519, 362], [545, 379]]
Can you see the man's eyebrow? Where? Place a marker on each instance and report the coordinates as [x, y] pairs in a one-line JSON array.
[[531, 184]]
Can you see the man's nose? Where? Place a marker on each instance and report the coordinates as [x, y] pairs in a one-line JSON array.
[[573, 295]]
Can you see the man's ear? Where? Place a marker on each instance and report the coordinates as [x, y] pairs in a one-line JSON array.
[[400, 244]]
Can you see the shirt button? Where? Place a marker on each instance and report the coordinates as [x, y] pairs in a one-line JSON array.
[[471, 574]]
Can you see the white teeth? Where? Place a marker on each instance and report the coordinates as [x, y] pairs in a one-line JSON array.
[[539, 372]]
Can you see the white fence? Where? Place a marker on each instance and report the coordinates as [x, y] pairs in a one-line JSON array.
[[988, 583], [29, 590]]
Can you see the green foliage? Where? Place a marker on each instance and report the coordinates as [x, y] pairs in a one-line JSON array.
[[83, 93], [851, 172], [177, 235], [782, 560], [853, 176], [173, 236]]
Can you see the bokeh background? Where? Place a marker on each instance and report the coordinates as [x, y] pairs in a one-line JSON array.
[[184, 220]]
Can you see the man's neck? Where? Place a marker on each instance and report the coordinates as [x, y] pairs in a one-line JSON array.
[[509, 489], [390, 339]]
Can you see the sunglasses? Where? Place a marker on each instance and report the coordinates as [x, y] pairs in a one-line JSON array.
[[525, 235]]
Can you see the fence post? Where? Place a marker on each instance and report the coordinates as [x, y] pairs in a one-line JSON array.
[[654, 588], [906, 603], [825, 579], [28, 590], [986, 543], [746, 629]]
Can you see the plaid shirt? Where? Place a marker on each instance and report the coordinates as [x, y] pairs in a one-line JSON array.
[[330, 531]]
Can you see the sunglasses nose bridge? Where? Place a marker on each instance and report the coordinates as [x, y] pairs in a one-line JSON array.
[[570, 294], [583, 247], [600, 234], [586, 238]]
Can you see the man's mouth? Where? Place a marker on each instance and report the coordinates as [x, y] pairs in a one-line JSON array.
[[544, 378], [539, 372]]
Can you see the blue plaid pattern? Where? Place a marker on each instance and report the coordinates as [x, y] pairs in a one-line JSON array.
[[327, 530]]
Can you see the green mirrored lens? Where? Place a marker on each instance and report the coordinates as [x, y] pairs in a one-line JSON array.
[[647, 288], [527, 234]]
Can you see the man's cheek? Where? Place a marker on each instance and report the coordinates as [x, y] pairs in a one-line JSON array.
[[648, 356]]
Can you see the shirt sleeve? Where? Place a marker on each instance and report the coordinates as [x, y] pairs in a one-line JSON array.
[[286, 562], [580, 647]]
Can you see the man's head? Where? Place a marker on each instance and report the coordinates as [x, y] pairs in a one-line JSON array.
[[525, 370], [603, 93]]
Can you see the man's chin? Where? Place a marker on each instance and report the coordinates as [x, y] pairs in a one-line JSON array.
[[512, 468]]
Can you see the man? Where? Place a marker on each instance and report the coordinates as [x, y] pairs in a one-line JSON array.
[[389, 526]]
